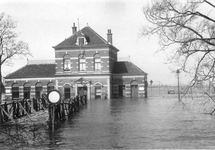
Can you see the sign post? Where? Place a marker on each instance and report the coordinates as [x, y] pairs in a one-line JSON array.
[[177, 71], [54, 97], [151, 86]]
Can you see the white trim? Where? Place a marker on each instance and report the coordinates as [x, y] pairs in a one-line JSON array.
[[106, 57], [30, 79], [97, 83], [139, 76], [66, 83], [78, 49], [74, 58], [71, 58], [57, 78], [87, 77]]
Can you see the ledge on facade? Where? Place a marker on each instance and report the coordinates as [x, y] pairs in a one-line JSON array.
[[124, 59], [34, 62]]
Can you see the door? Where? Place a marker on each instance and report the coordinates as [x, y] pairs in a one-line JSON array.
[[121, 90], [98, 92], [82, 91], [134, 91]]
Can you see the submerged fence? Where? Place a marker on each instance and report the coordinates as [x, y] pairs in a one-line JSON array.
[[66, 108], [10, 111]]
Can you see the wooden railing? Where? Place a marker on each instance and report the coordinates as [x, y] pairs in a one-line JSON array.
[[10, 111], [66, 108]]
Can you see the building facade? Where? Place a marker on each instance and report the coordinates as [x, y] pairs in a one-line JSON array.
[[85, 64]]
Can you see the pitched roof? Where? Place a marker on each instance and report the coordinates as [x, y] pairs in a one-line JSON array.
[[48, 70], [127, 68], [93, 39], [33, 71]]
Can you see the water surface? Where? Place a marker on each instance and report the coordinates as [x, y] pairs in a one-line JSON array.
[[154, 123], [137, 123]]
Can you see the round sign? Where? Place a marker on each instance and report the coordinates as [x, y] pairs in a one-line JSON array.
[[54, 96]]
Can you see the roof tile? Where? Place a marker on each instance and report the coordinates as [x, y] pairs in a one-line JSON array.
[[92, 37], [48, 70], [127, 68], [33, 71]]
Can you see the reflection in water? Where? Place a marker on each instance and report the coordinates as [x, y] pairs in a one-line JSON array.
[[134, 123]]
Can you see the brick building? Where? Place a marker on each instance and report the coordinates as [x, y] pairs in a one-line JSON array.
[[85, 63]]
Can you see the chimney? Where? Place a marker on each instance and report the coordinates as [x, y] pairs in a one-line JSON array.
[[109, 37], [74, 29]]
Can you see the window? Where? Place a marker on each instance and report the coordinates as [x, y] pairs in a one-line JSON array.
[[50, 87], [82, 63], [66, 63], [67, 91], [27, 91], [81, 40], [15, 91], [97, 62], [38, 90]]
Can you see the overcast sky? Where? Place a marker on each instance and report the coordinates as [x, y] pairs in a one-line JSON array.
[[43, 24]]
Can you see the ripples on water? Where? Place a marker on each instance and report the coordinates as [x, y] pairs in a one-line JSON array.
[[134, 124]]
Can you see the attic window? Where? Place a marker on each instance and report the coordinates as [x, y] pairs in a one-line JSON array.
[[83, 40]]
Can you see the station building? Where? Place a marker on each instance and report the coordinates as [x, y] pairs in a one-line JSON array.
[[85, 63]]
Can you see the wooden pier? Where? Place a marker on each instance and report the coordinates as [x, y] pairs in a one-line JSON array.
[[12, 111]]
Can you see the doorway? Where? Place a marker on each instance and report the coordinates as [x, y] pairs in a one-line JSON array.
[[121, 90], [82, 91], [134, 88], [134, 91], [98, 92]]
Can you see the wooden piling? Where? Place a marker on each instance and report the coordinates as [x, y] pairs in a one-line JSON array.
[[19, 108]]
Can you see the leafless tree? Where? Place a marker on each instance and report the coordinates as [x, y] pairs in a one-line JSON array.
[[186, 31], [10, 48]]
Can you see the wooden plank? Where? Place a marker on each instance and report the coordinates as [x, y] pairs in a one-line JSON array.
[[24, 109], [7, 114]]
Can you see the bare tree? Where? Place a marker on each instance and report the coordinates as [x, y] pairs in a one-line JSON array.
[[10, 48], [187, 32]]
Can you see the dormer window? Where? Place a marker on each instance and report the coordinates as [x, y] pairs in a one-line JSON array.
[[66, 63], [82, 39]]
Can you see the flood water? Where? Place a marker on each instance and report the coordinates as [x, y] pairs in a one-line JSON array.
[[154, 123]]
